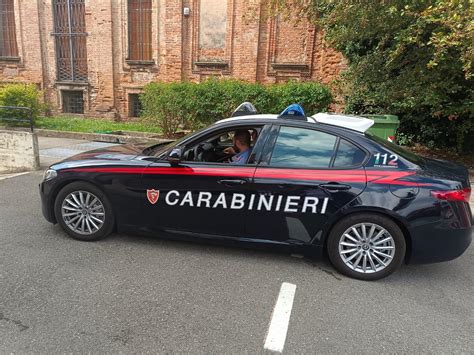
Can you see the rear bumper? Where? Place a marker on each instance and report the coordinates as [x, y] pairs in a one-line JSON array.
[[438, 244], [444, 238]]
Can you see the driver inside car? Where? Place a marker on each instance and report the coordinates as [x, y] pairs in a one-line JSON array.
[[253, 139], [241, 147]]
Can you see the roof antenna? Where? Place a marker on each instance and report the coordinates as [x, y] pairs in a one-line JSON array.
[[244, 109]]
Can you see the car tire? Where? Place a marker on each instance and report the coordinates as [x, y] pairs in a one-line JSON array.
[[84, 211], [366, 246]]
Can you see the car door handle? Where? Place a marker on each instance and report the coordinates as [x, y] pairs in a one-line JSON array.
[[334, 186], [232, 182]]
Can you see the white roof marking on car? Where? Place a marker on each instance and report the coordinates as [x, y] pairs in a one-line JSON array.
[[356, 123], [247, 117]]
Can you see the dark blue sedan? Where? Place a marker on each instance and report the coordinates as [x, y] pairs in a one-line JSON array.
[[314, 185]]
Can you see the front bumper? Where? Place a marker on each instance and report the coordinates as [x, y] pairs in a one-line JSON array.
[[47, 207]]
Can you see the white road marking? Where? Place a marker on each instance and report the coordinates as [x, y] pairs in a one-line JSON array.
[[13, 175], [278, 327]]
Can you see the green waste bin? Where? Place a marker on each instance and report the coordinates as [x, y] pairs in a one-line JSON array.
[[385, 126]]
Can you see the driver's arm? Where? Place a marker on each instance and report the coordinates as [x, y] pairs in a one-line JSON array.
[[230, 151]]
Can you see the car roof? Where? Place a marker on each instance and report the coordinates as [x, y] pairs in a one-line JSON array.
[[346, 122]]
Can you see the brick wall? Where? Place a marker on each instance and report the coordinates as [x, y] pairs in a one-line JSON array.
[[27, 66], [250, 46]]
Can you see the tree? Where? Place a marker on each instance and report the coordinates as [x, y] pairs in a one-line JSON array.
[[408, 57]]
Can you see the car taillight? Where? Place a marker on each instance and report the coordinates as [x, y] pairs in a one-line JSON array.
[[453, 195]]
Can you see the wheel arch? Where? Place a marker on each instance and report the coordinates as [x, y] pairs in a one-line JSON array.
[[377, 211]]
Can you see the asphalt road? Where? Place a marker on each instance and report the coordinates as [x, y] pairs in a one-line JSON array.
[[137, 294]]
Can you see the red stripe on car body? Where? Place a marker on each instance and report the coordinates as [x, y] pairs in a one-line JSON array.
[[241, 172], [360, 176]]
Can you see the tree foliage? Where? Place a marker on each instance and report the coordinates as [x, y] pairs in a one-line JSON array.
[[408, 57]]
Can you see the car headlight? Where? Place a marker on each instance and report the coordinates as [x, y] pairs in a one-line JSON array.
[[49, 174]]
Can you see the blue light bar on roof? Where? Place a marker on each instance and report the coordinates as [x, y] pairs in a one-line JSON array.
[[293, 110]]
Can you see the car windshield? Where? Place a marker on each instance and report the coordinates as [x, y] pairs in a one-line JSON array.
[[411, 157], [161, 148]]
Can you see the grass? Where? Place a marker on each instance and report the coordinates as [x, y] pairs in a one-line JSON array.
[[92, 125]]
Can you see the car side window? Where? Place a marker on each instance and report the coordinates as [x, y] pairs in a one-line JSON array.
[[219, 147], [348, 155], [302, 148]]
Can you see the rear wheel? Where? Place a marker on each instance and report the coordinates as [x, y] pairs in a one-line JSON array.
[[84, 211], [366, 246]]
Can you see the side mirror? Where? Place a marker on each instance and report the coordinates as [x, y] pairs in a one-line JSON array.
[[175, 156]]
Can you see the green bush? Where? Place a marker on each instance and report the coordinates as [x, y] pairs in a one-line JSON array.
[[20, 95], [433, 110], [173, 105], [216, 99], [168, 105], [312, 96]]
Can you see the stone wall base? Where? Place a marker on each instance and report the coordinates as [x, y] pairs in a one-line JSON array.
[[18, 151]]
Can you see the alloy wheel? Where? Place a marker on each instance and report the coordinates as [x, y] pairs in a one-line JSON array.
[[83, 212], [366, 248]]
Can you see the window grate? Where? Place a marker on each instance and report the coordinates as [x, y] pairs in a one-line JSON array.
[[73, 101], [70, 40], [134, 105], [139, 30], [8, 45]]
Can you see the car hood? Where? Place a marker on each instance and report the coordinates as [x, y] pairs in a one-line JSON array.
[[116, 152], [127, 154]]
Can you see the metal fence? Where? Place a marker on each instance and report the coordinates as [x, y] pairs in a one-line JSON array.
[[17, 114]]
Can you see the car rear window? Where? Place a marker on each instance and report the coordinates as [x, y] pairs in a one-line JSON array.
[[396, 149], [348, 155]]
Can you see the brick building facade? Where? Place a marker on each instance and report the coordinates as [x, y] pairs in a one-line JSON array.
[[95, 56]]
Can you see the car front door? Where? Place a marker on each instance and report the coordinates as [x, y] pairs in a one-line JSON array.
[[305, 176], [198, 197]]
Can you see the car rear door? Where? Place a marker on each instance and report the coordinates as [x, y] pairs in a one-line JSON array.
[[304, 177]]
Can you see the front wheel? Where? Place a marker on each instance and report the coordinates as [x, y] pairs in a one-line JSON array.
[[366, 246], [84, 211]]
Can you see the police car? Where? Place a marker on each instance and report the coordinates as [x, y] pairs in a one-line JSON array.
[[314, 185]]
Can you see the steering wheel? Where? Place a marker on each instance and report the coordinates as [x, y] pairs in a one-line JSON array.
[[201, 149], [197, 152]]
